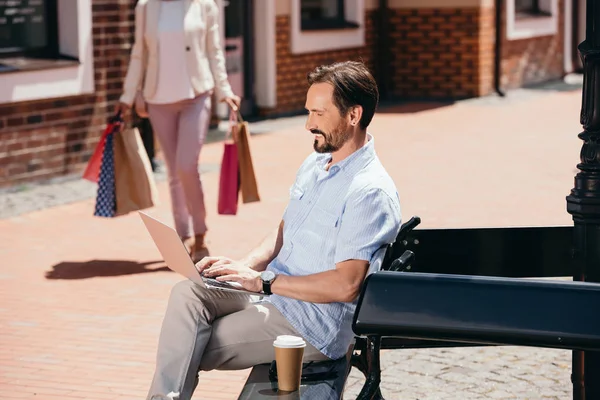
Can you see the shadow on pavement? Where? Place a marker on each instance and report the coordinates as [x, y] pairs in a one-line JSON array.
[[558, 86], [98, 268]]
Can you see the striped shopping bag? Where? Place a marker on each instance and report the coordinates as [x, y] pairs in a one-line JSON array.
[[106, 201]]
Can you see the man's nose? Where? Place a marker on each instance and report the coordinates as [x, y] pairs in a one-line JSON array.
[[310, 125]]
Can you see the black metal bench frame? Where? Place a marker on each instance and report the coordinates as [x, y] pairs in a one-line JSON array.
[[523, 319]]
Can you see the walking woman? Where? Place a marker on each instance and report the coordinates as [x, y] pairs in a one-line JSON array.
[[176, 63]]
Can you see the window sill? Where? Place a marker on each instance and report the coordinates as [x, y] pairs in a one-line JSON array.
[[324, 25], [532, 27], [22, 64]]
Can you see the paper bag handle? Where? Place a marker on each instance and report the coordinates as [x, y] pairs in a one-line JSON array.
[[234, 118]]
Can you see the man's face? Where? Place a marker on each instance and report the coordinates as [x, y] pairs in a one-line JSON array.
[[324, 119]]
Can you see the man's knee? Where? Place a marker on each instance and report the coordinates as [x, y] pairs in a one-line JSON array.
[[224, 360], [182, 292], [208, 363], [189, 294]]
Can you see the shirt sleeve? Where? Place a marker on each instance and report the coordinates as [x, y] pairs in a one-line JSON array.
[[137, 60], [215, 55], [371, 219]]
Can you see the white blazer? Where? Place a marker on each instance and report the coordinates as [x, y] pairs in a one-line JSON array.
[[204, 55]]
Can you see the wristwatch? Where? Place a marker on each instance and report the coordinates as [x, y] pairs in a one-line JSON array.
[[267, 278]]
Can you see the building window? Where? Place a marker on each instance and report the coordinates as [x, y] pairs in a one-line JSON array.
[[57, 63], [323, 36], [28, 28], [529, 8], [531, 18], [324, 14]]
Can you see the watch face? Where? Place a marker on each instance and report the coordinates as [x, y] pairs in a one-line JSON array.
[[267, 275]]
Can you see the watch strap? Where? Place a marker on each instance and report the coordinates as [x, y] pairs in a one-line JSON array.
[[267, 287]]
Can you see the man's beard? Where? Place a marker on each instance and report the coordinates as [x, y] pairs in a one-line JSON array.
[[334, 140]]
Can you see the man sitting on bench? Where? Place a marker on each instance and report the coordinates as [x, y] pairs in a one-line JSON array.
[[343, 211]]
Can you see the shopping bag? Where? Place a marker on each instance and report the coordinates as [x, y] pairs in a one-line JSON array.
[[249, 187], [229, 178], [134, 181], [228, 181], [105, 196], [92, 170]]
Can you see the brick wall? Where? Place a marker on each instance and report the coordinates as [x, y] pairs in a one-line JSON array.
[[292, 68], [436, 52], [487, 43], [530, 61], [47, 138]]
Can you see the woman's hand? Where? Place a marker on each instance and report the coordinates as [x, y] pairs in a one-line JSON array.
[[122, 108], [233, 102]]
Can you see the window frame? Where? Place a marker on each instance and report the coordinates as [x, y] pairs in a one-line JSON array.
[[339, 22], [28, 79], [527, 26], [535, 11], [51, 49], [303, 42]]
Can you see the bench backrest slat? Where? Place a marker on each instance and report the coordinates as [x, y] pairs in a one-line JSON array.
[[475, 309]]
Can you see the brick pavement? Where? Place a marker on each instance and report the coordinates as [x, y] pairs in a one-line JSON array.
[[81, 298]]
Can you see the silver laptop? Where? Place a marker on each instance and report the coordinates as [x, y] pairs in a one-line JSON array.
[[178, 259]]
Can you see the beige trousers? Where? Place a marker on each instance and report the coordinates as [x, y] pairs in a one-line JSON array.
[[206, 329]]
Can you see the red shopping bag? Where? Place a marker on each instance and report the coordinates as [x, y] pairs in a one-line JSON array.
[[92, 171], [229, 179]]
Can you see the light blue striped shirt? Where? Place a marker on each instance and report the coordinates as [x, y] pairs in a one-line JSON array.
[[347, 212]]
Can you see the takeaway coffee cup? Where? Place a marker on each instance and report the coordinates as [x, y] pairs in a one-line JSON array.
[[289, 351]]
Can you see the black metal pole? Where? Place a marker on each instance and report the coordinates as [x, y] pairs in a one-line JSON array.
[[498, 48], [584, 201]]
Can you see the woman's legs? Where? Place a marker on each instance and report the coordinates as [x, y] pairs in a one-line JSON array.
[[181, 130], [194, 120], [165, 122]]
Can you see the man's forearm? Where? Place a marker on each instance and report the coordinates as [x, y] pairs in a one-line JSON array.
[[260, 257], [323, 287]]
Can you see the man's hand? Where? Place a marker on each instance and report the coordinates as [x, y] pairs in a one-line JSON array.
[[227, 270], [208, 262]]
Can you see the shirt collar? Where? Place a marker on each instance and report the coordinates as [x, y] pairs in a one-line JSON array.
[[354, 162]]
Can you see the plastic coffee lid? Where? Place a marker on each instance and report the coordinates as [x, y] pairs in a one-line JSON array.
[[289, 341]]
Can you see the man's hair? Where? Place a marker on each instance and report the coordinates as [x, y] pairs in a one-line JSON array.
[[353, 85]]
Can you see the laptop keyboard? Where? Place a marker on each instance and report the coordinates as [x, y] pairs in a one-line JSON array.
[[216, 283]]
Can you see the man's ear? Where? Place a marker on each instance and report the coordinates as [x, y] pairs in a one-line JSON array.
[[355, 114]]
